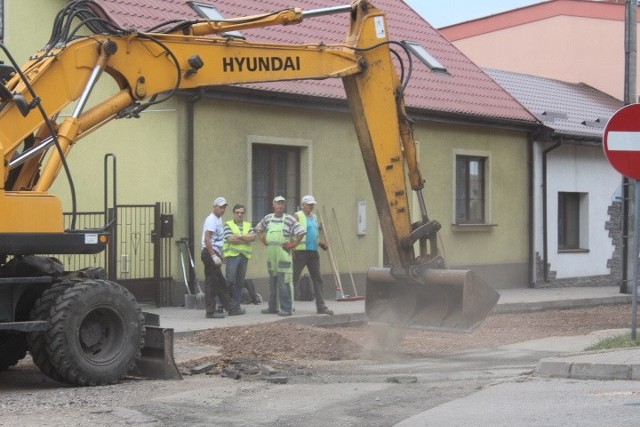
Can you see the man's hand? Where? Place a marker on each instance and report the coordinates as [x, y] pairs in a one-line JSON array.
[[289, 245], [323, 245], [216, 259]]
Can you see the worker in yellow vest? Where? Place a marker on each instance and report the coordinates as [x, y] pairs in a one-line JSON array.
[[238, 235], [306, 253]]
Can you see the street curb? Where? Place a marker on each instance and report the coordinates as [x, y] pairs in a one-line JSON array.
[[523, 307], [324, 320], [620, 364]]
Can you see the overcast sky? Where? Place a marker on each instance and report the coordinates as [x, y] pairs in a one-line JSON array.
[[440, 13]]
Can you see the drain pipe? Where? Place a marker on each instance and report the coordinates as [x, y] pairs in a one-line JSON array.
[[190, 169], [545, 236], [531, 138]]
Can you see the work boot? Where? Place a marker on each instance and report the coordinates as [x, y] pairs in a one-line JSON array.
[[237, 311], [267, 311], [214, 315], [284, 313], [324, 310]]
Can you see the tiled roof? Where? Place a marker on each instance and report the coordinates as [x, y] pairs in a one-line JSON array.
[[570, 109], [466, 90]]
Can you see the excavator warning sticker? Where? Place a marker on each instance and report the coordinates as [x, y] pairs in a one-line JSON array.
[[380, 31], [91, 239]]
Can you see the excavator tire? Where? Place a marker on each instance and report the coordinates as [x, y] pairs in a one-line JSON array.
[[96, 333], [13, 348], [37, 341]]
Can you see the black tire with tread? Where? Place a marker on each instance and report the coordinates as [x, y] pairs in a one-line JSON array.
[[37, 341], [96, 333]]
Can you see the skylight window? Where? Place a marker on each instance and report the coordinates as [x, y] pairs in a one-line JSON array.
[[211, 13], [423, 55]]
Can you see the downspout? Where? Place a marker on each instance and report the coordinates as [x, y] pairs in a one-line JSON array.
[[190, 169], [545, 236], [531, 137]]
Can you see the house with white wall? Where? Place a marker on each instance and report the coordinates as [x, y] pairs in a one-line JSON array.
[[576, 199]]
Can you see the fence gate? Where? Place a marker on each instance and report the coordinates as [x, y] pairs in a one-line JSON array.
[[139, 253]]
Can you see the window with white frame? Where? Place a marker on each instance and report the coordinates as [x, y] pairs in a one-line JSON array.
[[572, 221], [471, 191]]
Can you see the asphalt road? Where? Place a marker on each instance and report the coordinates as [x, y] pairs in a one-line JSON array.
[[492, 388]]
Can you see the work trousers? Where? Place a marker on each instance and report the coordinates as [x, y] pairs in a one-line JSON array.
[[214, 285], [280, 286], [311, 260], [236, 269]]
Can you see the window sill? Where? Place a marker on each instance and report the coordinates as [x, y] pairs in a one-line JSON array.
[[573, 251], [473, 227]]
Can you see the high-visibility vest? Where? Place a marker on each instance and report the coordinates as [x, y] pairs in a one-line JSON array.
[[235, 249], [302, 219]]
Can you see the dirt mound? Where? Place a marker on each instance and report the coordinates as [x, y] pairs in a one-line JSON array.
[[281, 341], [299, 344]]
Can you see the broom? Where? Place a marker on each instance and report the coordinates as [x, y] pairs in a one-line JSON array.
[[355, 296], [332, 260]]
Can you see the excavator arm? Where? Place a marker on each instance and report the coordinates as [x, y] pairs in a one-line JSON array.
[[148, 67]]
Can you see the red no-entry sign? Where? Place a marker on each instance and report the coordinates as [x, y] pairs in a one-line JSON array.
[[621, 141]]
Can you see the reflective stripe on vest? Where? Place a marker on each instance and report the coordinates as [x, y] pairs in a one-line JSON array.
[[235, 249]]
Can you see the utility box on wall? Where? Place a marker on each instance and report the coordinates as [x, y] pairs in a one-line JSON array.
[[362, 217], [166, 225]]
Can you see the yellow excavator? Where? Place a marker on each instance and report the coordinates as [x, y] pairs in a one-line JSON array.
[[82, 329]]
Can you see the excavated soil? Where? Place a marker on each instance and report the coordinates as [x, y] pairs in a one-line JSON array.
[[303, 345]]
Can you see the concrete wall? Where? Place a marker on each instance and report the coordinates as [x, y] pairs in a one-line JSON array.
[[498, 250], [28, 24], [152, 167], [332, 169]]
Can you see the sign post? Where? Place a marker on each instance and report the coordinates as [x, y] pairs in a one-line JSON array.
[[621, 144]]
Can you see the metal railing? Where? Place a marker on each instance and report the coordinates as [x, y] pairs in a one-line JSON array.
[[136, 251]]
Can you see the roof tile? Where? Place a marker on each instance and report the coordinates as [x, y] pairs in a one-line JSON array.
[[465, 90], [574, 110]]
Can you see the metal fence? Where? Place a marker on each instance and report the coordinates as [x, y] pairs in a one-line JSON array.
[[139, 253], [135, 242]]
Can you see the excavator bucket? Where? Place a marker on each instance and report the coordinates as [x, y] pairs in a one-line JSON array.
[[447, 300], [156, 360]]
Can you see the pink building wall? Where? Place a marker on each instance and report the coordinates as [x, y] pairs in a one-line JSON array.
[[577, 41]]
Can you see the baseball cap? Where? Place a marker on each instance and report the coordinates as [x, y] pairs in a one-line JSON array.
[[279, 199], [308, 200], [220, 201]]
